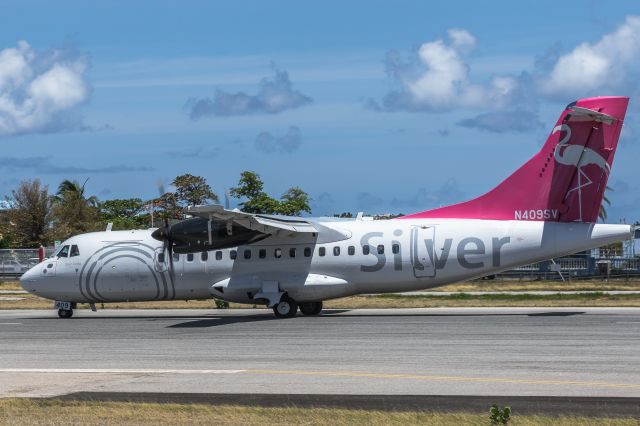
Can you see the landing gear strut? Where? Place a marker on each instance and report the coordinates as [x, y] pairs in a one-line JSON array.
[[286, 308], [311, 308], [65, 313]]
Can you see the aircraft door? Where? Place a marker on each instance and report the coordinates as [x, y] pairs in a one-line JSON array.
[[160, 260], [422, 251]]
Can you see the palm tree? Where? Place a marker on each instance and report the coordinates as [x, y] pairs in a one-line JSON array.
[[73, 190], [73, 212], [602, 212]]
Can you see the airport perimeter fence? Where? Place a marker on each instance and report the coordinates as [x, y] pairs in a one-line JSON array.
[[14, 262], [577, 267]]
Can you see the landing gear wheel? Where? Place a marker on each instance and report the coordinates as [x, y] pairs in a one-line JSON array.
[[287, 308], [311, 308], [65, 313]]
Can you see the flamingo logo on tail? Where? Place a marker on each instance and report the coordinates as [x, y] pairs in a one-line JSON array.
[[579, 157]]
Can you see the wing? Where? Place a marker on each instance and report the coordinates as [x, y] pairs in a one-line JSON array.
[[256, 222]]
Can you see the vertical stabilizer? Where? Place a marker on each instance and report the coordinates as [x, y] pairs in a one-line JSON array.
[[565, 181]]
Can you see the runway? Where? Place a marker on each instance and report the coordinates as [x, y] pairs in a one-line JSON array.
[[569, 352]]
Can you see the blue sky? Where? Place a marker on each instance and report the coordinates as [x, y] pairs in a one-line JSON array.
[[376, 106]]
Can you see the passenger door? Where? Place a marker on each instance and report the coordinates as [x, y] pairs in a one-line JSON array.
[[422, 251]]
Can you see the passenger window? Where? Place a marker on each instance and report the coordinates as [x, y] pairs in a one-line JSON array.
[[395, 248], [64, 252], [218, 255], [204, 256], [277, 253], [247, 254], [262, 253], [365, 249], [380, 249], [74, 251], [336, 251], [160, 257], [176, 257], [189, 257], [292, 252], [307, 251], [351, 250], [233, 254], [321, 251]]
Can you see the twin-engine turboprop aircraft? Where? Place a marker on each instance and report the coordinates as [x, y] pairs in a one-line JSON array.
[[547, 208]]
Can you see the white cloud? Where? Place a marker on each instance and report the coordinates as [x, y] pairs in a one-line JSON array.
[[39, 89], [439, 79], [462, 39], [608, 63]]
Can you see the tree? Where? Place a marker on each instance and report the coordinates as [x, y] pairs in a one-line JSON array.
[[28, 220], [73, 212], [72, 188], [602, 211], [124, 213], [293, 202], [193, 190], [190, 190], [250, 187]]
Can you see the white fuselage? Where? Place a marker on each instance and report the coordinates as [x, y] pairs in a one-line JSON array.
[[353, 257]]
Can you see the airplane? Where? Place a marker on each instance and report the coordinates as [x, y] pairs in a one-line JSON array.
[[546, 209]]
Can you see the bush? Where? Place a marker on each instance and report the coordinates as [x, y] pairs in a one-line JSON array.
[[499, 416], [221, 304]]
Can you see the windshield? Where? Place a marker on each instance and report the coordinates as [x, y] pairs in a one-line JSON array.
[[63, 252]]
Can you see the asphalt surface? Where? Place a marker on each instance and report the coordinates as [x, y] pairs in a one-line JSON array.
[[567, 353]]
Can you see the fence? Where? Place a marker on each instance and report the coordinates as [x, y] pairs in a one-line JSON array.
[[578, 267], [14, 262]]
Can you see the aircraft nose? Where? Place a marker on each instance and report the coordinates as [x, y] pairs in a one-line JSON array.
[[29, 280]]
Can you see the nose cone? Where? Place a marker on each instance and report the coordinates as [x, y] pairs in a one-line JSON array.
[[29, 280]]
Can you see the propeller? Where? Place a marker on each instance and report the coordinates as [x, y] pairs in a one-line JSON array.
[[164, 234]]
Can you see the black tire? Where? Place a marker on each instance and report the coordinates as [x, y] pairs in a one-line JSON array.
[[311, 308], [286, 308], [65, 313]]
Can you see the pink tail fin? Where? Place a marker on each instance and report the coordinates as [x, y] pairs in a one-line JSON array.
[[565, 181]]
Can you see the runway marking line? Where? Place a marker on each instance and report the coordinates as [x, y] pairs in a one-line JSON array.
[[323, 374], [447, 378], [115, 371], [10, 323]]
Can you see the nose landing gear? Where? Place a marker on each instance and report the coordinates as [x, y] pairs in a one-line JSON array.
[[65, 309], [65, 313]]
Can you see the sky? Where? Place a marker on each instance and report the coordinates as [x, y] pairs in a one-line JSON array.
[[381, 107]]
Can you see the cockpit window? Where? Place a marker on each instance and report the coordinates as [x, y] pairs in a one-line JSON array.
[[74, 251], [63, 252]]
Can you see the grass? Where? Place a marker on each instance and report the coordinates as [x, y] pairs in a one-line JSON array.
[[499, 285], [55, 412], [541, 285], [461, 299]]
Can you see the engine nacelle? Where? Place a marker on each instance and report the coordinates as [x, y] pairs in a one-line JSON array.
[[197, 234]]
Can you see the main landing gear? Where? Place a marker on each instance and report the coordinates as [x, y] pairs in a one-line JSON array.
[[287, 308], [311, 308]]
